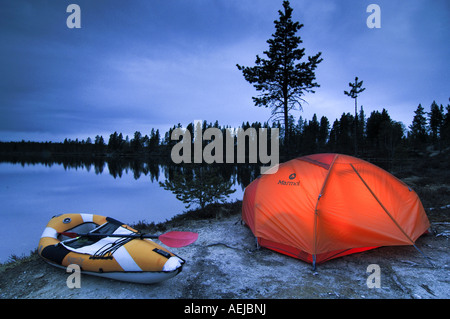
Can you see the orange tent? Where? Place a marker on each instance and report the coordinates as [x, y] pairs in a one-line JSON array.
[[319, 207]]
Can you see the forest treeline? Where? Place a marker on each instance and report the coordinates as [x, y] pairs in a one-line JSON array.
[[374, 136]]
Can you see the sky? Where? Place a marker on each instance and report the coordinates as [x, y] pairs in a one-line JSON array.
[[138, 65]]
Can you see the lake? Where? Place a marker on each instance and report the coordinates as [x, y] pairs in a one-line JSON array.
[[32, 193]]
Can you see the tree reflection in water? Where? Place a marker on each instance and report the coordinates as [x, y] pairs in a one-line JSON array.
[[191, 183]]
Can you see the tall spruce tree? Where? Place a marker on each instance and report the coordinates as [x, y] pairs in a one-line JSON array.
[[323, 133], [436, 121], [419, 129], [445, 131], [356, 89], [282, 78]]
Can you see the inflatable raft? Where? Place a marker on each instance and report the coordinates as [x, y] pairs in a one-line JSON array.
[[122, 258]]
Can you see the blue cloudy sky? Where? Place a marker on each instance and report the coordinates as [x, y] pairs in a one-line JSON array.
[[137, 65]]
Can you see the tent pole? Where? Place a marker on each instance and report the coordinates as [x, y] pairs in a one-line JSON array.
[[425, 256], [316, 210], [257, 243], [381, 204], [392, 218]]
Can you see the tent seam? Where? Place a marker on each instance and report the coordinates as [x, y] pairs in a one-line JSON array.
[[315, 210]]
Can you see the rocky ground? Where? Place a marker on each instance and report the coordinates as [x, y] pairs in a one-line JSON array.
[[223, 263]]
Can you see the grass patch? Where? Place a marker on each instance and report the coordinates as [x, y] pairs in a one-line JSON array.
[[15, 260]]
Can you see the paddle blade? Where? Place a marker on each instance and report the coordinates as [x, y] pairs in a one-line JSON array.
[[178, 238]]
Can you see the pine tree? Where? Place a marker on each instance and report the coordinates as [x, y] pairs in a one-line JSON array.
[[136, 142], [323, 133], [153, 142], [345, 133], [99, 140], [383, 134], [419, 130], [353, 93], [282, 78], [445, 133], [361, 130], [436, 121], [333, 140], [310, 136]]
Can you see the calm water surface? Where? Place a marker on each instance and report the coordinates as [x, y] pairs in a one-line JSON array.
[[31, 194]]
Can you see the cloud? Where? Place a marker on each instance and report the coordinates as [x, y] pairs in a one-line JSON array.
[[157, 63]]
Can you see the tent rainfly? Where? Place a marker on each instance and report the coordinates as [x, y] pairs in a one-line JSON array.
[[323, 206]]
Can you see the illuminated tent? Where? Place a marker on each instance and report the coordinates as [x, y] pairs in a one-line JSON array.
[[319, 207]]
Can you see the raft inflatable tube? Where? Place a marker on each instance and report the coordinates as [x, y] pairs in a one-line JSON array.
[[120, 258]]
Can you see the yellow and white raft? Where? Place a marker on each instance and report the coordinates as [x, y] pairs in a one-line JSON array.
[[121, 258]]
